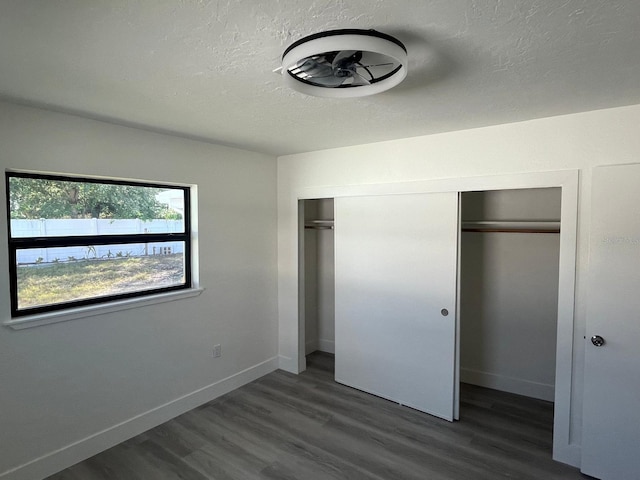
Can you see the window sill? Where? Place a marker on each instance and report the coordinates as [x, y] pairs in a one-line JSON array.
[[92, 310]]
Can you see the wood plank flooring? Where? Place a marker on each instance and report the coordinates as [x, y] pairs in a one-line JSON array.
[[306, 426]]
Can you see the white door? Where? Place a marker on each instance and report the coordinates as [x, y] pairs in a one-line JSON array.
[[611, 414], [395, 297]]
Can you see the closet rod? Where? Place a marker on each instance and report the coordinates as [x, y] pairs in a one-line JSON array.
[[512, 227], [318, 227], [508, 230]]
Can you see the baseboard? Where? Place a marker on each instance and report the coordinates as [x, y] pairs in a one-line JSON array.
[[287, 364], [569, 454], [311, 346], [328, 346], [541, 391], [76, 452]]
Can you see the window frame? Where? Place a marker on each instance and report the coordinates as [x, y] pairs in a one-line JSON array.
[[15, 244]]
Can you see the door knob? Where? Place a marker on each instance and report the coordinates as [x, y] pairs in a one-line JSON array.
[[444, 312], [597, 340]]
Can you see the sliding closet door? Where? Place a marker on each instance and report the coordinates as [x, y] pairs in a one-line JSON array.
[[395, 297]]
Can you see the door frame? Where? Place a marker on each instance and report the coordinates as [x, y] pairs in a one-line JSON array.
[[567, 180]]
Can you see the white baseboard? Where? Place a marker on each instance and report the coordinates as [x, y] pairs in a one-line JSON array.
[[311, 346], [82, 449], [569, 454], [541, 391], [287, 364], [328, 346]]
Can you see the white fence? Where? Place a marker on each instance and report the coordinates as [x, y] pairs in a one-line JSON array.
[[93, 226]]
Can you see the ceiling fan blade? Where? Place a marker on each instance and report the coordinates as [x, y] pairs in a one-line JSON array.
[[332, 72], [376, 65], [312, 68], [346, 57], [329, 81], [359, 79]]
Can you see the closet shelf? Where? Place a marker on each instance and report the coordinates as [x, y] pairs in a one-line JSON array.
[[319, 225], [508, 226]]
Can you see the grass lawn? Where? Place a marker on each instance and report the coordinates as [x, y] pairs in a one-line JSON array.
[[45, 284]]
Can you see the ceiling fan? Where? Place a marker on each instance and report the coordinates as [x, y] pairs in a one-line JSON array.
[[345, 63]]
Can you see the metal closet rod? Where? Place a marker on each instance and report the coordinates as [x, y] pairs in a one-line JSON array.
[[319, 225], [478, 227], [512, 227]]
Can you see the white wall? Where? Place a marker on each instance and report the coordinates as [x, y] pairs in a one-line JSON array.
[[100, 379], [573, 142], [509, 294]]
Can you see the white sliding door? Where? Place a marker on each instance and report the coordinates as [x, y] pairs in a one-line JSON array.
[[395, 297], [611, 425]]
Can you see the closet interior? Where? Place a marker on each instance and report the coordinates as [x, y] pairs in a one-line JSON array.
[[508, 288], [319, 306], [509, 268]]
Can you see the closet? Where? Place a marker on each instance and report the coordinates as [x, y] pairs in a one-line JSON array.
[[318, 275], [509, 261], [507, 290]]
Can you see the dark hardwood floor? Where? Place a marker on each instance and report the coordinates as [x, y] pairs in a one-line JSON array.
[[306, 426]]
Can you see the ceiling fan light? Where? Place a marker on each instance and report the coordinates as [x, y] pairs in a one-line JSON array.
[[388, 71]]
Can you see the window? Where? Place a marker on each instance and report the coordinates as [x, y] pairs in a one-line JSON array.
[[79, 241]]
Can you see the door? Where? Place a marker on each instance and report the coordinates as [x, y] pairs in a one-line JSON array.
[[611, 425], [395, 297]]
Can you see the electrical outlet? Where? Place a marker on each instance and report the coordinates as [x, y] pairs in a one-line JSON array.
[[217, 351]]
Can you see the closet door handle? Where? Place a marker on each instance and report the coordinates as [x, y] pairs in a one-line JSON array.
[[597, 340], [444, 312]]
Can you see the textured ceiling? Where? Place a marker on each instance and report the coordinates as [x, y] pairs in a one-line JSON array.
[[203, 68]]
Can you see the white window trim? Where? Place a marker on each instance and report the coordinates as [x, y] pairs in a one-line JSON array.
[[30, 321]]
